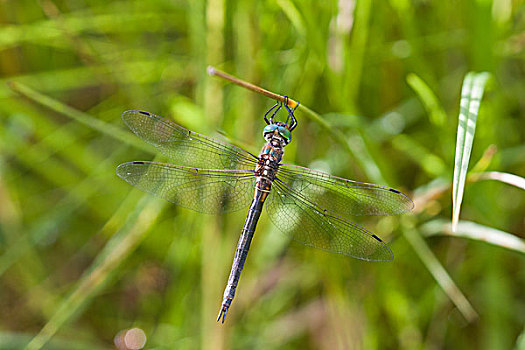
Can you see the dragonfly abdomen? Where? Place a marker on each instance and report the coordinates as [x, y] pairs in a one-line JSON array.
[[243, 246]]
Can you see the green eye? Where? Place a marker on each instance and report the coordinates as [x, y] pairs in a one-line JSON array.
[[285, 133], [269, 129]]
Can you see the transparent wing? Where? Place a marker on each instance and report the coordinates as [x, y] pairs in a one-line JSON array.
[[311, 225], [344, 197], [186, 147], [202, 190]]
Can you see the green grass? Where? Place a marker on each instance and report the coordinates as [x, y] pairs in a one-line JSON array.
[[84, 256]]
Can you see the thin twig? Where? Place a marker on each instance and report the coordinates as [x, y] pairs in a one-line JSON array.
[[215, 72]]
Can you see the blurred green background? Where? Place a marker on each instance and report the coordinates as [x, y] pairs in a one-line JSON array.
[[84, 256]]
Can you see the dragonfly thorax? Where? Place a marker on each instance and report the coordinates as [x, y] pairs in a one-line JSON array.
[[269, 160]]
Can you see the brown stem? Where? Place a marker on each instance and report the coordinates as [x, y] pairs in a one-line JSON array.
[[215, 72]]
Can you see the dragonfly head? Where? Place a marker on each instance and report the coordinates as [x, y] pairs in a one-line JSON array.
[[278, 131]]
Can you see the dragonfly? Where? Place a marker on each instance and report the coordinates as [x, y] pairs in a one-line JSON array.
[[214, 177]]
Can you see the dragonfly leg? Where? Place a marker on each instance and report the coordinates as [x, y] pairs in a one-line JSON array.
[[293, 123], [278, 104]]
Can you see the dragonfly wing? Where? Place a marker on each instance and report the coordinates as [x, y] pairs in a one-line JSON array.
[[344, 197], [311, 225], [187, 147], [203, 190]]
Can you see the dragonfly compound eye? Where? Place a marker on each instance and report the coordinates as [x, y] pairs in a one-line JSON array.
[[285, 133], [269, 129]]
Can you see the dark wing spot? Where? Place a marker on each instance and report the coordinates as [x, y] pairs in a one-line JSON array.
[[379, 239], [395, 191], [137, 162], [142, 112]]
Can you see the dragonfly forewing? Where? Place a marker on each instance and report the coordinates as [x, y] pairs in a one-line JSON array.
[[344, 197], [186, 147], [203, 190], [312, 225]]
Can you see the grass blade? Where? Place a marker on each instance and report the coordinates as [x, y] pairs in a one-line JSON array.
[[471, 230], [114, 253], [471, 94], [14, 341], [83, 118], [440, 274], [507, 178], [430, 101]]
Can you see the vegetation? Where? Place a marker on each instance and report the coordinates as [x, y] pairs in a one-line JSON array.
[[83, 256]]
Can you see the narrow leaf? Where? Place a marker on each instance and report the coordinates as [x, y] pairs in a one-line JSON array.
[[115, 252], [507, 178], [428, 98], [471, 94], [80, 117], [440, 274], [471, 230]]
